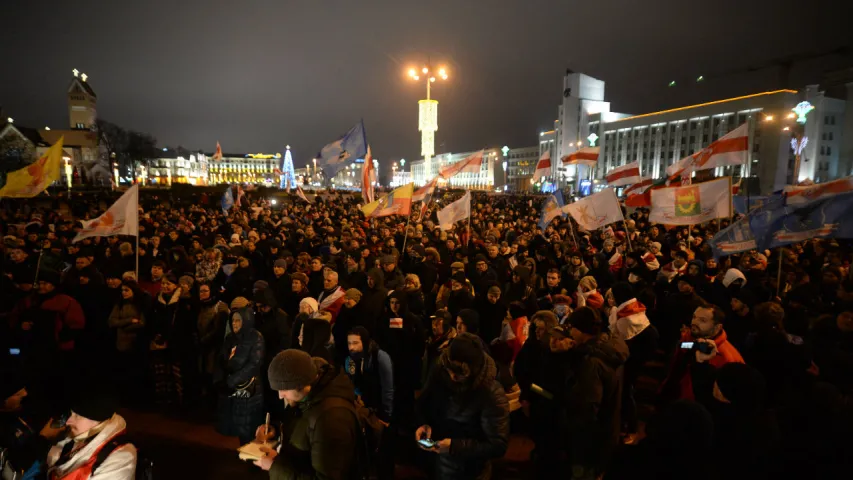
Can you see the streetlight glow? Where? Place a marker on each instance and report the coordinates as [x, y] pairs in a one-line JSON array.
[[431, 79], [768, 118], [412, 72], [416, 77], [425, 70], [442, 72]]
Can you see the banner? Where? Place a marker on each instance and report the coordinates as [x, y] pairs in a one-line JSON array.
[[585, 156], [736, 238], [625, 175], [227, 200], [458, 210], [597, 210], [122, 218], [469, 164], [343, 151], [33, 179], [398, 202], [743, 204], [826, 217], [551, 209], [692, 204], [301, 194]]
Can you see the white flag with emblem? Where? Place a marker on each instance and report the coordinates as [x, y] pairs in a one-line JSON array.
[[122, 218]]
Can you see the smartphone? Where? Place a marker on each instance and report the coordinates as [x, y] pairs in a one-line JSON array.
[[687, 345], [60, 421], [427, 442], [14, 351]]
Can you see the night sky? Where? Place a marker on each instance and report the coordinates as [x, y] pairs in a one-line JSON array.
[[257, 75]]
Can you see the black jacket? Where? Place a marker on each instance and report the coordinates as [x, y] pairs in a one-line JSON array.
[[475, 418]]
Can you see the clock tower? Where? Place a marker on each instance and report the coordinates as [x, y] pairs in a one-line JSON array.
[[82, 102]]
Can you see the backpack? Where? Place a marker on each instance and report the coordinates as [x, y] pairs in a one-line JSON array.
[[144, 465], [367, 435]]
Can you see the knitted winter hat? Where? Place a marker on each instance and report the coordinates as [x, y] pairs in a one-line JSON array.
[[280, 263], [291, 370], [310, 302], [467, 348], [239, 302], [95, 401]]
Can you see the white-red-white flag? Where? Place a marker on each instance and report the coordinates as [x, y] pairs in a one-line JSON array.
[[639, 187], [596, 210], [627, 174], [543, 167], [458, 210], [122, 218], [368, 177], [470, 164], [730, 149], [218, 154], [425, 192], [585, 156], [301, 194], [693, 204]]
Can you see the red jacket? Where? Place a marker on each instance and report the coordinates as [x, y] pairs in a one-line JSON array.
[[68, 317]]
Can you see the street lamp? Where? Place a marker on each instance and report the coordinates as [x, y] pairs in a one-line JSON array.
[[428, 115], [68, 172]]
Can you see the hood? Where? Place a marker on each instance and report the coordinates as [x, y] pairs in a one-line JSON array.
[[611, 350], [401, 297], [523, 273], [699, 264], [332, 383], [266, 297], [248, 320], [377, 276], [315, 334], [731, 275]]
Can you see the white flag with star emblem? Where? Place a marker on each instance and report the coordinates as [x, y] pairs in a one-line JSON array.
[[596, 210]]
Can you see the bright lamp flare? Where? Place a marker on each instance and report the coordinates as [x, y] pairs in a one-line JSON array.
[[412, 72], [431, 79], [425, 70], [442, 72], [416, 77]]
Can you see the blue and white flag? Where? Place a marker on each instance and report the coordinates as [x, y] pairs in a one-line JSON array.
[[778, 224], [227, 200], [343, 151], [551, 209], [736, 238]]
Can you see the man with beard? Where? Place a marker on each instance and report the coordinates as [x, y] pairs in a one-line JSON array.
[[401, 335], [703, 350], [349, 317], [394, 278], [464, 410], [678, 311], [352, 277]]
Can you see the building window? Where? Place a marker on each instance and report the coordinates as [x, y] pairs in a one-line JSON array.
[[822, 150], [830, 136], [832, 120], [828, 150]]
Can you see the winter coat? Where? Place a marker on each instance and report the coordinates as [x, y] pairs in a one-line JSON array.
[[595, 400], [491, 317], [394, 280], [475, 417], [121, 320], [57, 321], [273, 325], [320, 433], [402, 336], [373, 299], [212, 316], [241, 416], [373, 378]]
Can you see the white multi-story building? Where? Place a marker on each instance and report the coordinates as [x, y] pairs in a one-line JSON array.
[[658, 139], [172, 167], [490, 176], [245, 168], [400, 177]]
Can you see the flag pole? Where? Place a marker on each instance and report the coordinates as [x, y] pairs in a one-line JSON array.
[[406, 231], [781, 251], [137, 234]]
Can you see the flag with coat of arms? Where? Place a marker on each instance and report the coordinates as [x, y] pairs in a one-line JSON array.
[[692, 204]]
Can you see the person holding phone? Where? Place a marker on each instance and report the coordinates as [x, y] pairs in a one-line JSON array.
[[703, 349], [463, 412]]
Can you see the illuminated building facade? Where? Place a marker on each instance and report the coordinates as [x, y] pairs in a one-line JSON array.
[[259, 168], [179, 167], [520, 164], [658, 139], [350, 176]]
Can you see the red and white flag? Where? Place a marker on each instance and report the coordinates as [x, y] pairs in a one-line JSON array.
[[585, 156], [424, 195], [368, 177], [122, 218], [596, 210], [218, 154], [625, 175], [470, 164], [730, 149], [301, 194], [638, 188], [736, 186], [240, 194], [543, 167], [637, 195], [458, 210], [693, 204], [796, 195]]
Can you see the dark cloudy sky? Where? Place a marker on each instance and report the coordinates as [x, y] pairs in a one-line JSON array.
[[257, 75]]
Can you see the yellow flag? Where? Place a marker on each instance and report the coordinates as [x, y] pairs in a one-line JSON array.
[[36, 177]]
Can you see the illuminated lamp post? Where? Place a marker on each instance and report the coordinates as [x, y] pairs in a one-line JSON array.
[[68, 172], [427, 116]]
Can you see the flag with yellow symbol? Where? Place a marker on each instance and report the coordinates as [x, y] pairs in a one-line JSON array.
[[693, 204], [36, 177]]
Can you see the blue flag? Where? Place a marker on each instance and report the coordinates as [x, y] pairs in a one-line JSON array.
[[778, 224], [343, 151], [551, 209], [736, 238], [743, 204], [227, 200]]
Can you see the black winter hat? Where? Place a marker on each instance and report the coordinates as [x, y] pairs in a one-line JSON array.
[[622, 292], [291, 370], [95, 401], [586, 320], [49, 276], [467, 348]]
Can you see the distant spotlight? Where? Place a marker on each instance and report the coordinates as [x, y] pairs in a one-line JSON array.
[[165, 149], [431, 79], [768, 118], [442, 72], [425, 70], [701, 78], [47, 128], [412, 72], [786, 129], [273, 201], [672, 83], [83, 76], [416, 77], [10, 120], [792, 115]]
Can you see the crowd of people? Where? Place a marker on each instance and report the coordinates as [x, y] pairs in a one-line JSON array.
[[628, 352]]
